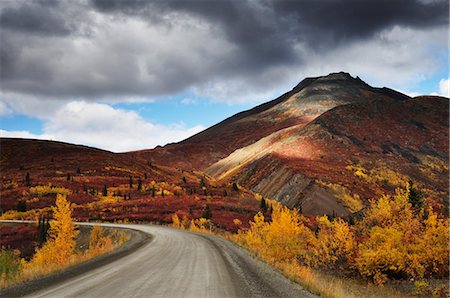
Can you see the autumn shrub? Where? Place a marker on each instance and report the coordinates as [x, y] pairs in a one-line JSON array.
[[98, 240], [392, 240], [42, 190], [335, 244], [201, 225], [398, 243], [284, 238], [58, 250], [182, 223], [10, 265]]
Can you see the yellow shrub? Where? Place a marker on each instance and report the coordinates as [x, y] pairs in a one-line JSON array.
[[284, 238], [200, 225], [399, 243], [42, 190], [335, 243], [58, 250]]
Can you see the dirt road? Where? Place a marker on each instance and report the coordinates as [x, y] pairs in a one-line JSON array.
[[178, 263]]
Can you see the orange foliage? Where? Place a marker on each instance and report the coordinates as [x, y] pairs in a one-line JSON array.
[[398, 242], [335, 245], [284, 238], [59, 248]]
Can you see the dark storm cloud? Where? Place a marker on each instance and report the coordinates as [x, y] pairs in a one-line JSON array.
[[36, 17], [39, 54], [249, 23]]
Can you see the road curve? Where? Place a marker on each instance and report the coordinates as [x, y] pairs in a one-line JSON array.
[[178, 263]]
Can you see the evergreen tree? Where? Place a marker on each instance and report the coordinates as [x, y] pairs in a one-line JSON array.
[[43, 228], [415, 196], [105, 191], [139, 184], [21, 206], [202, 182], [225, 193], [162, 193], [27, 180], [78, 171], [263, 205], [207, 212], [131, 182], [184, 179], [235, 187], [153, 190], [68, 177]]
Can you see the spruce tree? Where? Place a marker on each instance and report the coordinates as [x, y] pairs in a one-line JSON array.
[[21, 206], [415, 196], [207, 212], [27, 180], [139, 184], [263, 205], [104, 191]]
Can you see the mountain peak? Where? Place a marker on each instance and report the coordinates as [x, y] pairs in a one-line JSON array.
[[338, 76], [332, 77]]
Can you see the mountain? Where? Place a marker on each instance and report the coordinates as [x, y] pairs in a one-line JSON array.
[[306, 101], [327, 146], [347, 155]]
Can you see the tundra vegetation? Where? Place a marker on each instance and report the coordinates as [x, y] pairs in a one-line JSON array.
[[393, 242], [393, 245], [59, 251]]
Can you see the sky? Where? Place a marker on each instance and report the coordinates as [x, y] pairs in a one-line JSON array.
[[130, 75]]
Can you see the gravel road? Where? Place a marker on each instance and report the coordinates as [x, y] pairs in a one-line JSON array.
[[175, 263]]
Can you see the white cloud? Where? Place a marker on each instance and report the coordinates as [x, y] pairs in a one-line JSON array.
[[444, 87], [399, 57], [102, 126], [4, 109], [189, 101], [23, 135]]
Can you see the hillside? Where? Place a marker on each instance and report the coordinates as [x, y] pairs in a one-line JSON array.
[[309, 99], [110, 186], [347, 155]]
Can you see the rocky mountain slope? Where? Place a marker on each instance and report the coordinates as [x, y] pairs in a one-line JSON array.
[[347, 155], [309, 99]]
